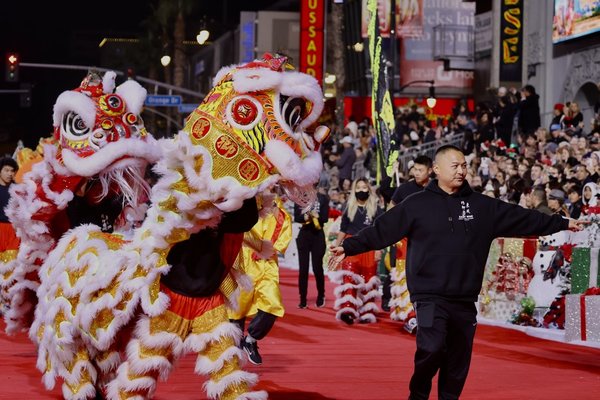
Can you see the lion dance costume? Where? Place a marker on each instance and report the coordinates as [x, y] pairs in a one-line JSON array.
[[100, 149], [401, 308], [105, 317]]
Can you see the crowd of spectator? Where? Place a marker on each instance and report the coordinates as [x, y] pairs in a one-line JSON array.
[[511, 156]]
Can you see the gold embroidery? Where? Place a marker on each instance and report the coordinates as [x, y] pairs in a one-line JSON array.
[[58, 319], [208, 321], [7, 256], [75, 275], [177, 235], [154, 289], [228, 286], [102, 321], [181, 186], [216, 348], [234, 391], [170, 204], [83, 381], [148, 352]]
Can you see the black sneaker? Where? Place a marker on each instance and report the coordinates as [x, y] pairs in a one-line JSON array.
[[385, 307], [347, 318], [251, 350], [302, 304], [321, 302]]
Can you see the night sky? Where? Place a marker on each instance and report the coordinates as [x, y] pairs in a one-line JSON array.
[[68, 32]]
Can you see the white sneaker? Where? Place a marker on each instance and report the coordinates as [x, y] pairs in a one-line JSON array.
[[410, 326]]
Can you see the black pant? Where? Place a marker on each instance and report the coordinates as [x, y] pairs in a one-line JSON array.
[[386, 279], [260, 326], [311, 244], [445, 332]]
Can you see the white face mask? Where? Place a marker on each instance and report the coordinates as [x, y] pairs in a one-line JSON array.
[[502, 190]]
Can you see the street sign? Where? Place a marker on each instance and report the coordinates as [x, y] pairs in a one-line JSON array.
[[187, 108], [162, 100]]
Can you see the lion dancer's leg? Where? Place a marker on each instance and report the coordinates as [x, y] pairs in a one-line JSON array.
[[401, 307], [347, 294], [107, 363], [155, 345], [215, 340], [370, 291], [80, 377], [158, 342]]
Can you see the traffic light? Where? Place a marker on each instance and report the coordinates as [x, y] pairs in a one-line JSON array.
[[12, 67]]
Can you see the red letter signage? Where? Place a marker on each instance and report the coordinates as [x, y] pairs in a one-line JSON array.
[[312, 20]]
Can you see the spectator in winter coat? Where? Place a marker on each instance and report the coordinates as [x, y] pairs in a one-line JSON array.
[[529, 110], [345, 161]]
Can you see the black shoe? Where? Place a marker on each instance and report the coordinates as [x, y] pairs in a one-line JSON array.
[[251, 350], [385, 307], [347, 318], [302, 304], [321, 302]]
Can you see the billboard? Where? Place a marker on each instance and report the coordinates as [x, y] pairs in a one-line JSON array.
[[417, 52], [575, 18], [409, 18]]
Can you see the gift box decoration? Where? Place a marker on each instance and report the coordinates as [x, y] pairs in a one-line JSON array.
[[583, 316], [584, 269], [517, 247]]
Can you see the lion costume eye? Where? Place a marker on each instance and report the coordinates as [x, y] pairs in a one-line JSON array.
[[293, 111], [244, 112], [73, 127]]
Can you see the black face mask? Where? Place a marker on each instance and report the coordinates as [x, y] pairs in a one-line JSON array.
[[361, 196]]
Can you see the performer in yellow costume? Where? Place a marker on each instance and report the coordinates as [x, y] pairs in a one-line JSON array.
[[271, 235]]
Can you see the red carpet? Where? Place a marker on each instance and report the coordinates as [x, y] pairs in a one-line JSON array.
[[311, 356]]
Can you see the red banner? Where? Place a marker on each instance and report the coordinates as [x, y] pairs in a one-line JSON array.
[[360, 107], [312, 22]]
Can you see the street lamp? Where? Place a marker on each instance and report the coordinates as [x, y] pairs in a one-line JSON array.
[[330, 79], [431, 100], [165, 60], [202, 36]]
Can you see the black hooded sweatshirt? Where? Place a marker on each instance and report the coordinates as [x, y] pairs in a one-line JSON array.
[[449, 237]]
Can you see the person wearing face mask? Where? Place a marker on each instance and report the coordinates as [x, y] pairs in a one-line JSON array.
[[449, 229], [357, 278]]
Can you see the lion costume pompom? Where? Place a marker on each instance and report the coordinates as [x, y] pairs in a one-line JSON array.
[[104, 318]]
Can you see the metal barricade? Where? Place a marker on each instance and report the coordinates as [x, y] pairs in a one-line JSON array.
[[427, 149]]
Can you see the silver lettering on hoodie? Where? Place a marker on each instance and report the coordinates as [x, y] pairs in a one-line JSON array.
[[466, 212]]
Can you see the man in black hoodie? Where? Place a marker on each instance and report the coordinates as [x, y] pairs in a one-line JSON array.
[[450, 228]]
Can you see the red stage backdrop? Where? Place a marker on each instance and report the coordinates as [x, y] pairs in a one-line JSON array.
[[312, 17]]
